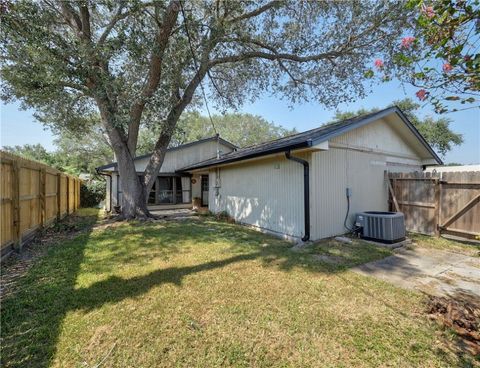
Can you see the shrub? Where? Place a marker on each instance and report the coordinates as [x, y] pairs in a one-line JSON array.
[[92, 193]]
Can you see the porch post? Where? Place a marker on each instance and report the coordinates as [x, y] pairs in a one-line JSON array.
[[174, 179]]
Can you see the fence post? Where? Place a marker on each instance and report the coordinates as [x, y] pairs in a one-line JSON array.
[[68, 195], [43, 178], [76, 194], [59, 196], [17, 235], [437, 206], [79, 191]]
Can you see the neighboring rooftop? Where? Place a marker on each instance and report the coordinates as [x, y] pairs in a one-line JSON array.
[[454, 168], [309, 138]]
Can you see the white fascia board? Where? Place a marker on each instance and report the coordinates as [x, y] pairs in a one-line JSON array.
[[322, 146], [429, 162]]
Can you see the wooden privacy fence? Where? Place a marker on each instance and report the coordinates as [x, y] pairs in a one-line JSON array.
[[436, 203], [33, 195]]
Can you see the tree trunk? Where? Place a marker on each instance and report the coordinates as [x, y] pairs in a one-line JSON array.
[[134, 201]]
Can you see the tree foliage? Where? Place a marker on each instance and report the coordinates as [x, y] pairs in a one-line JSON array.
[[238, 128], [440, 55], [141, 63], [73, 155], [76, 154], [85, 152], [35, 152], [436, 131]]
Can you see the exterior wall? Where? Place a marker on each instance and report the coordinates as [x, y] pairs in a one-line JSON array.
[[334, 171], [196, 188], [115, 187], [177, 158], [174, 159], [108, 194], [267, 194], [380, 137], [357, 160]]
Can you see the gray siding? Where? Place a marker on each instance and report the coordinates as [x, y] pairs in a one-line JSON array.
[[174, 160], [178, 158], [357, 160], [267, 194], [260, 194], [333, 172]]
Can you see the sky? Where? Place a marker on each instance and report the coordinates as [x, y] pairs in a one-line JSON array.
[[19, 127]]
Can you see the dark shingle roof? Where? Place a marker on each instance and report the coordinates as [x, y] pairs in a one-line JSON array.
[[307, 139]]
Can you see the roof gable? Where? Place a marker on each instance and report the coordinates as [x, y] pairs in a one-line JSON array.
[[222, 141], [316, 136]]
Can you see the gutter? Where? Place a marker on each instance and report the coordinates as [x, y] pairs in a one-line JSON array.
[[306, 192], [110, 176], [227, 160]]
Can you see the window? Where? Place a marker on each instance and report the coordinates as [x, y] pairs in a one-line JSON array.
[[165, 190], [152, 194], [184, 189], [171, 190]]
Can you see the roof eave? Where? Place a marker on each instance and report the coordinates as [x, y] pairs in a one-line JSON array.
[[381, 114], [224, 142], [304, 144], [418, 135]]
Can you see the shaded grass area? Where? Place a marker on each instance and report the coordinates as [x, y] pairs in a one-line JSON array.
[[470, 248], [207, 293]]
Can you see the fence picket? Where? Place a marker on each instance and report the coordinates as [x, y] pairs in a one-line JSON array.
[[32, 197], [438, 203]]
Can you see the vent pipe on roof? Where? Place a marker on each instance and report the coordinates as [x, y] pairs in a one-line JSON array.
[[306, 192]]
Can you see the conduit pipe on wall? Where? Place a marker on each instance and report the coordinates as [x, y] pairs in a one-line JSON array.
[[306, 192]]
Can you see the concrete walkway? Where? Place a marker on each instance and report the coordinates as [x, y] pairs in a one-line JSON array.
[[436, 272], [175, 214]]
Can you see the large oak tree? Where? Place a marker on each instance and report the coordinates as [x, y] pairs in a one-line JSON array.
[[141, 63]]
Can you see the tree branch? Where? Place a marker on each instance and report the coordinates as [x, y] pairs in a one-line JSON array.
[[85, 19], [154, 74], [271, 49], [274, 57], [71, 17], [158, 155], [256, 12]]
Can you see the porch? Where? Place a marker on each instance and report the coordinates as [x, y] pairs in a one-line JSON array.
[[170, 191]]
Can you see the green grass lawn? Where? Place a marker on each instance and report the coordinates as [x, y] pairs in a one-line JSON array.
[[202, 293], [469, 247]]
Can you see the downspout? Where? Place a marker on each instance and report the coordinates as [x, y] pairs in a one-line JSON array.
[[110, 181], [306, 192]]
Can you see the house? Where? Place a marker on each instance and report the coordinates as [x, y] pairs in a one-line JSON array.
[[297, 186], [173, 188], [453, 168]]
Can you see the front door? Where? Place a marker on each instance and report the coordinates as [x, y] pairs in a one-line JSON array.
[[204, 190]]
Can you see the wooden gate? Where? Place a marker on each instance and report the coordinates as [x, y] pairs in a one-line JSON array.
[[435, 203]]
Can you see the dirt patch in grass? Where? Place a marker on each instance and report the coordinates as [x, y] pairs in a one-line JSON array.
[[17, 265], [461, 314]]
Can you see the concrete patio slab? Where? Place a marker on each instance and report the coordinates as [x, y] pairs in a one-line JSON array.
[[433, 271], [175, 214]]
